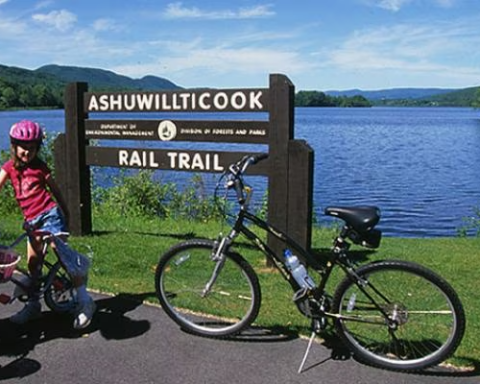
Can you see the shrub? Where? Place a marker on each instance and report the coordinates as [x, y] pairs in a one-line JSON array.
[[472, 224]]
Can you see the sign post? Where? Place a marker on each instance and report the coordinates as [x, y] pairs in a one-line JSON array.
[[289, 167]]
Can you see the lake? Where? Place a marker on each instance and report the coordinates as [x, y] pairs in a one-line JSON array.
[[419, 165]]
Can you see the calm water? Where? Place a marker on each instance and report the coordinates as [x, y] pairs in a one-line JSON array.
[[420, 165]]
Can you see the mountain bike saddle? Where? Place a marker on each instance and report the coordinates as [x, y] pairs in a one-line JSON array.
[[361, 219]]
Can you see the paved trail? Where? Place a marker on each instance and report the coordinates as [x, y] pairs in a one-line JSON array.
[[133, 343]]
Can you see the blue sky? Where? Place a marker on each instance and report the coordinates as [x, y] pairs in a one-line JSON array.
[[318, 44]]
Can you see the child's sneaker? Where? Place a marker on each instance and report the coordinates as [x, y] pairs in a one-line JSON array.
[[31, 310], [84, 314]]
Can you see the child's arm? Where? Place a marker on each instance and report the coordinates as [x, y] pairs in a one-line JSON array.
[[3, 178], [57, 194]]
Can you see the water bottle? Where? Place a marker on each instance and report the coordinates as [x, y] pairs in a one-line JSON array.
[[298, 270]]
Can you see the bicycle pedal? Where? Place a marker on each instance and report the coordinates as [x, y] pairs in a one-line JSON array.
[[57, 285]]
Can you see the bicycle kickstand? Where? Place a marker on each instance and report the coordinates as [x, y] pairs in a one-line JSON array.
[[310, 342], [317, 326]]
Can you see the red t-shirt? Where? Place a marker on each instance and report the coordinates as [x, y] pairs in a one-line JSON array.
[[30, 186]]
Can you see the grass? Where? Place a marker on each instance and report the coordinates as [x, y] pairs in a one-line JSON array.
[[125, 253]]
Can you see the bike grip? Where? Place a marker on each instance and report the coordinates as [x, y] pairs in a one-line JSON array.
[[258, 158]]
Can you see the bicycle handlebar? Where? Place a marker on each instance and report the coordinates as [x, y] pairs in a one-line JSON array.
[[238, 169]]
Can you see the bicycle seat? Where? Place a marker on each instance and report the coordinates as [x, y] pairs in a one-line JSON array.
[[362, 219]]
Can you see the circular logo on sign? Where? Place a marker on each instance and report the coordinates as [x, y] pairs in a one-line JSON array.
[[167, 130]]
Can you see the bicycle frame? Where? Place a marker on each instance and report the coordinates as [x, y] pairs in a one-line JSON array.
[[323, 268], [45, 239]]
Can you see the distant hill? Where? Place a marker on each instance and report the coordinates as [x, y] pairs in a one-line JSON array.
[[416, 97], [44, 87], [459, 97], [101, 79], [393, 94]]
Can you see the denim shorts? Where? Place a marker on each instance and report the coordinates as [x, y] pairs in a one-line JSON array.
[[51, 221]]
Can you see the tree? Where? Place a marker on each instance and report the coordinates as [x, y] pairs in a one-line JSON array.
[[476, 102], [9, 97]]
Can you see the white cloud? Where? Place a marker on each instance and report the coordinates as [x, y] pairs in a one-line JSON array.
[[105, 24], [3, 2], [397, 5], [389, 5], [392, 5], [10, 29], [43, 4], [446, 3], [187, 60], [178, 11], [61, 20], [426, 51]]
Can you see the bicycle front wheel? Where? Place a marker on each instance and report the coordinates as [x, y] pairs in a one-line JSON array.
[[227, 307], [59, 292], [399, 315]]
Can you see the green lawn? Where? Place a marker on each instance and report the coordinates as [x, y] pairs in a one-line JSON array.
[[125, 253]]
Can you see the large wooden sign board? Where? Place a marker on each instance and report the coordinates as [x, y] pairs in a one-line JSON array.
[[289, 167]]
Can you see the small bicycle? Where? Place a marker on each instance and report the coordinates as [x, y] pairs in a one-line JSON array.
[[392, 314], [56, 286]]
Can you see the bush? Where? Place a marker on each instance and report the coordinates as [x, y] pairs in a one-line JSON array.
[[136, 195], [472, 224], [140, 195]]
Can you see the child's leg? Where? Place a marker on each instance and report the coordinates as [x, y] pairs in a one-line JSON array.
[[35, 258], [86, 306], [32, 308]]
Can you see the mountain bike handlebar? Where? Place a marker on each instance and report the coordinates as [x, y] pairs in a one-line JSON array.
[[237, 170]]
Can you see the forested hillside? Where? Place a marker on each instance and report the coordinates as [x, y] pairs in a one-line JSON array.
[[320, 99], [21, 88], [44, 88]]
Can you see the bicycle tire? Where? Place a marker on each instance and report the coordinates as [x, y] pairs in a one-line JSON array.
[[231, 305], [426, 317], [59, 293]]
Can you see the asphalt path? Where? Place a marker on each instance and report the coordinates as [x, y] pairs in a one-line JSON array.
[[129, 342]]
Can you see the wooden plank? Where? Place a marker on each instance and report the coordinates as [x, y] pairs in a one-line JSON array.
[[236, 131], [300, 196], [61, 171], [281, 126], [205, 100], [172, 159], [78, 177]]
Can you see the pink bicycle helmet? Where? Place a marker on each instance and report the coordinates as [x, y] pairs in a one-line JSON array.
[[26, 131]]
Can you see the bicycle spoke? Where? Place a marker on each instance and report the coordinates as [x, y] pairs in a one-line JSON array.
[[203, 297]]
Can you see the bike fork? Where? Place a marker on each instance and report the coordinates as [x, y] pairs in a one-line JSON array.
[[218, 256]]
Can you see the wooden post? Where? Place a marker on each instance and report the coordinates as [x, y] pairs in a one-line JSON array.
[[300, 192], [61, 170], [78, 175], [281, 106]]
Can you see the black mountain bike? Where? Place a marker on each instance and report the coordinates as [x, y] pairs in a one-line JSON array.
[[393, 314]]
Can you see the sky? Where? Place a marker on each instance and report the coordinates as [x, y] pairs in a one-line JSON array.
[[318, 44]]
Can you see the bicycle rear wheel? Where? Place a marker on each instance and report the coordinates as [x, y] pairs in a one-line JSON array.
[[399, 315], [59, 292], [231, 304]]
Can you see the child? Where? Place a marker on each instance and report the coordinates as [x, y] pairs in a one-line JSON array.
[[43, 207]]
